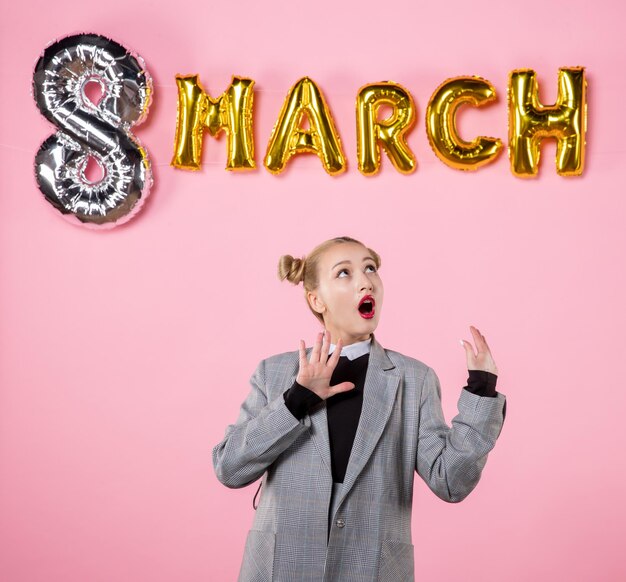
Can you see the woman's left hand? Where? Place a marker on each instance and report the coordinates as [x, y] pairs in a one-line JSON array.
[[482, 361]]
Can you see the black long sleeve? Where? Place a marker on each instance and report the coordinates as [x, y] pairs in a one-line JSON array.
[[300, 400], [483, 383], [344, 409]]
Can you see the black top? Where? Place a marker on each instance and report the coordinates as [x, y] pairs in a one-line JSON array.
[[344, 409]]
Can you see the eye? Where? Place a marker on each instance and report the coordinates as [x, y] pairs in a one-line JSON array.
[[373, 267], [341, 271]]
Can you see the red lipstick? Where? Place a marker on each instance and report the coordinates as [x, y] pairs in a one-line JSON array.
[[366, 307]]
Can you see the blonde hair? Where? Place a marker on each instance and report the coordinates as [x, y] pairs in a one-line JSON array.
[[305, 269]]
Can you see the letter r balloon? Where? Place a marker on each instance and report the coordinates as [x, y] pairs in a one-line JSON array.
[[390, 132]]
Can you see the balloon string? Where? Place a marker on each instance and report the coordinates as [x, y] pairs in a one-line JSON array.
[[595, 154], [11, 147], [268, 91]]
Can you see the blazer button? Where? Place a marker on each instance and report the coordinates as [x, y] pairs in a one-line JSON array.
[[340, 522]]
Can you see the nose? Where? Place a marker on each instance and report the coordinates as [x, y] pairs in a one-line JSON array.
[[365, 282]]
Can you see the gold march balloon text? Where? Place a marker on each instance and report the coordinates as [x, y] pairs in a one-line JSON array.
[[529, 123], [92, 129]]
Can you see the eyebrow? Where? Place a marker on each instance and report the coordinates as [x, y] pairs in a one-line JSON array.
[[347, 261]]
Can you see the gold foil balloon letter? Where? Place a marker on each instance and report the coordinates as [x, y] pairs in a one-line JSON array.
[[288, 138], [231, 112], [390, 131], [441, 123], [530, 122]]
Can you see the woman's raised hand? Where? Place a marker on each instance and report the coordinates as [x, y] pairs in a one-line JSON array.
[[482, 361], [315, 374]]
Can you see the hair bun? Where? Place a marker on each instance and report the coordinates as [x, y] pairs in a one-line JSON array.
[[291, 268]]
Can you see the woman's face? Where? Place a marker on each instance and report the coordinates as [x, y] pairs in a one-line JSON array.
[[347, 274]]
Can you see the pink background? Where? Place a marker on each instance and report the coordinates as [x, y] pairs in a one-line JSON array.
[[125, 354]]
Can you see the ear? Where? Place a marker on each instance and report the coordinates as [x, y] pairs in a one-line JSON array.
[[315, 302]]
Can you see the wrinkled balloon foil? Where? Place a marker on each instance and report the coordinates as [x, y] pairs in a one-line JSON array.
[[88, 130]]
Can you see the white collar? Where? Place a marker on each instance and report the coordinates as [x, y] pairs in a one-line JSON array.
[[354, 350]]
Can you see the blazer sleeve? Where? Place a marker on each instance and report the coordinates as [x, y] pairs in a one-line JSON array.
[[450, 459], [263, 430]]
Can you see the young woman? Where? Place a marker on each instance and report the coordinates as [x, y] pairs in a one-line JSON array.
[[338, 431]]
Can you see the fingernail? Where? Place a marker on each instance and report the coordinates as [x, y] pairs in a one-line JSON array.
[[461, 342]]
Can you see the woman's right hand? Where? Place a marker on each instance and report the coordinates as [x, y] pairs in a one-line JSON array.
[[315, 374]]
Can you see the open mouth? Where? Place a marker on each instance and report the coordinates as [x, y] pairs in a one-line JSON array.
[[366, 307]]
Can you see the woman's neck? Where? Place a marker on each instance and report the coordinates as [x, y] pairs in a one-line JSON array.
[[349, 340]]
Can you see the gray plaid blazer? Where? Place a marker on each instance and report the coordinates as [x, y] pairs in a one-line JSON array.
[[401, 430]]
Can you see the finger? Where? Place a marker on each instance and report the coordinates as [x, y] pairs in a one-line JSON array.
[[485, 345], [478, 339], [325, 346], [332, 361], [315, 353], [484, 340], [343, 387], [302, 351], [487, 348], [469, 349]]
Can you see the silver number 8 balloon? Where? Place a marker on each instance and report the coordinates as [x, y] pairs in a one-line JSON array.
[[93, 131]]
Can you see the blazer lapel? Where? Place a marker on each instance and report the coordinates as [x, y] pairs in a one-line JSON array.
[[379, 394], [319, 432], [381, 386]]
